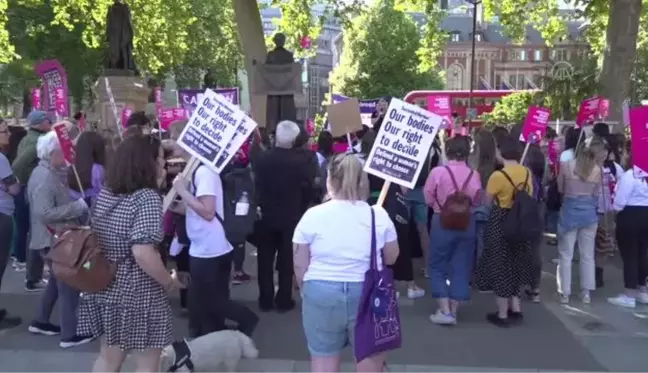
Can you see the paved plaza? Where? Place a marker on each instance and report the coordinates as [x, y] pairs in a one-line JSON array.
[[554, 337]]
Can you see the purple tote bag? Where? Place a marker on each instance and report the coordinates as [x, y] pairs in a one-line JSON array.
[[378, 327]]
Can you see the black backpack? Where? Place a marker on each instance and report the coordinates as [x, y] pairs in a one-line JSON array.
[[523, 223], [236, 182]]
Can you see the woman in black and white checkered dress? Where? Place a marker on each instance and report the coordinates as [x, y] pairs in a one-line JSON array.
[[133, 313]]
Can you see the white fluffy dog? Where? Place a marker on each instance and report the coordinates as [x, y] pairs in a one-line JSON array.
[[211, 351]]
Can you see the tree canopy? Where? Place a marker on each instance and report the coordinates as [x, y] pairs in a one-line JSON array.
[[382, 60]]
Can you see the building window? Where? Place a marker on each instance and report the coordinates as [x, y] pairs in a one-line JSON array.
[[518, 55], [455, 37], [454, 77], [537, 55], [559, 55]]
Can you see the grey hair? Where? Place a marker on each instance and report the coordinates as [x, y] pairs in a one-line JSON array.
[[286, 134], [46, 144]]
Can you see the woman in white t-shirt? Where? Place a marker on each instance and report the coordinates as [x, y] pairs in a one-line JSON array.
[[332, 243]]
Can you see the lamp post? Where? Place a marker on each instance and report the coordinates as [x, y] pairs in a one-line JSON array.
[[475, 3]]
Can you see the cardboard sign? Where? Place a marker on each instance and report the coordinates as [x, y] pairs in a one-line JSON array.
[[36, 98], [344, 117], [367, 107], [126, 113], [403, 143], [639, 137], [60, 102], [440, 105], [211, 128], [588, 111], [67, 147], [535, 124]]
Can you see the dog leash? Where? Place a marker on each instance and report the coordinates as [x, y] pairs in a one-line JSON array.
[[182, 356]]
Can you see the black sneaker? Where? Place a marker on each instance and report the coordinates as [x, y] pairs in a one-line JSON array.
[[77, 340], [494, 319], [35, 286], [44, 328], [515, 317]]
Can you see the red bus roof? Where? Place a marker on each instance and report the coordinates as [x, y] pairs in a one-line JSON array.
[[415, 95]]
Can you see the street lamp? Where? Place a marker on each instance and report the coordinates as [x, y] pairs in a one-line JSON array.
[[475, 3]]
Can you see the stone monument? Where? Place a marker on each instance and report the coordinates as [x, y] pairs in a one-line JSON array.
[[279, 107], [127, 87]]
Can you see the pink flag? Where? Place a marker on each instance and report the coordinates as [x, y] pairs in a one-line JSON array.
[[639, 137], [36, 98], [126, 113], [535, 124]]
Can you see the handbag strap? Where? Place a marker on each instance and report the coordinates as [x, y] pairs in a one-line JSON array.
[[373, 260]]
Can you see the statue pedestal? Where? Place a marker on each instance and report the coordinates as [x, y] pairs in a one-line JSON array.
[[127, 89]]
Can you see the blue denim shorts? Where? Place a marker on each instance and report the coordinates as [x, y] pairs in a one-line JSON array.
[[416, 201], [329, 311]]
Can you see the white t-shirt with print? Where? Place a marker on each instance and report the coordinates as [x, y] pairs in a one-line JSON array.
[[339, 236], [207, 237]]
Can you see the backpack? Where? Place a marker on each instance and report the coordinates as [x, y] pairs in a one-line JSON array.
[[78, 260], [523, 223], [238, 219], [457, 208]]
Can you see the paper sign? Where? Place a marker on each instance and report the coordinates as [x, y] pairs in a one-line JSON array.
[[440, 105], [60, 102], [535, 124], [64, 141], [126, 113], [639, 138], [36, 98], [588, 111], [211, 128], [242, 133], [604, 108], [344, 117], [189, 98], [403, 143]]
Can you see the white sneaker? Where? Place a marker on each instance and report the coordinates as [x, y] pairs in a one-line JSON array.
[[564, 299], [585, 297], [642, 298], [441, 318], [414, 293], [623, 300]]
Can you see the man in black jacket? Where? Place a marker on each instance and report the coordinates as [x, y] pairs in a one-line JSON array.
[[284, 180]]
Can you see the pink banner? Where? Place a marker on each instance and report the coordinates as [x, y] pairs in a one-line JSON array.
[[588, 111], [604, 108], [170, 115], [126, 113], [535, 124], [440, 105], [60, 100], [53, 76], [36, 98], [639, 137]]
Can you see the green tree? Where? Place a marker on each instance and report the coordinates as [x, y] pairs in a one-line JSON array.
[[510, 110], [615, 29], [380, 59]]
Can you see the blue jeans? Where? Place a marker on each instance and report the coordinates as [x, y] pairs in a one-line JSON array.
[[329, 312], [451, 258], [21, 217]]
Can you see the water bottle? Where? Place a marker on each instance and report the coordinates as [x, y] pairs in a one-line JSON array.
[[242, 205]]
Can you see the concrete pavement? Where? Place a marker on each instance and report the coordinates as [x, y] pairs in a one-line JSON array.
[[554, 337]]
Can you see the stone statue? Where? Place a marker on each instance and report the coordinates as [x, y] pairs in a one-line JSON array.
[[119, 34], [280, 107]]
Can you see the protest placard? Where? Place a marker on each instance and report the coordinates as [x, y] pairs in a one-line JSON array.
[[344, 117], [242, 133], [403, 143], [367, 107], [36, 98], [60, 102], [440, 105], [639, 137], [53, 75], [535, 124], [588, 111], [211, 128], [67, 148]]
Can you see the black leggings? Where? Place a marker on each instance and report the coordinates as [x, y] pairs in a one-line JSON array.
[[631, 228]]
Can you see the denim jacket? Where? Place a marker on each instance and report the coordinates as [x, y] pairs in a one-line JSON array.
[[577, 212]]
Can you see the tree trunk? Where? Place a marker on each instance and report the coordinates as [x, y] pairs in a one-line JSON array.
[[250, 28], [620, 55]]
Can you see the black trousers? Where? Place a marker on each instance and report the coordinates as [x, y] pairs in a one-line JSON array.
[[403, 269], [631, 229], [277, 244], [182, 264], [6, 234], [209, 298]]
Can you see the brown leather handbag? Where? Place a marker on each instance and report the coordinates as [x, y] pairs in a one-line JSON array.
[[78, 260]]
